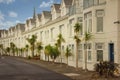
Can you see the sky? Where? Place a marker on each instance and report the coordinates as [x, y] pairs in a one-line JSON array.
[[18, 11]]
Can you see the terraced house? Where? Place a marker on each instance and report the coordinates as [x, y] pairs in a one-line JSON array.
[[98, 17]]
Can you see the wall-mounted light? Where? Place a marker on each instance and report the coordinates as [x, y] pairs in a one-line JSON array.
[[117, 22]]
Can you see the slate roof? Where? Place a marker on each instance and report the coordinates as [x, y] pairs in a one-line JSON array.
[[57, 7], [47, 14], [9, 28], [6, 31], [27, 21], [2, 31], [68, 2], [22, 26], [32, 20], [13, 28], [39, 16]]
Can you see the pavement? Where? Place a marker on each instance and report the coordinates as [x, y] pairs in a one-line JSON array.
[[58, 68], [15, 69]]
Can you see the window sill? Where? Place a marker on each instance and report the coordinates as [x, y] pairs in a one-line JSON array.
[[99, 32], [89, 61]]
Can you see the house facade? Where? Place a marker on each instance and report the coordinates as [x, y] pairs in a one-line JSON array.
[[99, 17]]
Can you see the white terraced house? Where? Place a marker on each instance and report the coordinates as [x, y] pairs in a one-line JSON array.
[[99, 17]]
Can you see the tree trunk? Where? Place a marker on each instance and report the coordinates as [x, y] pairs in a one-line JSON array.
[[27, 54], [60, 54], [33, 51], [53, 60], [48, 58], [86, 56], [67, 60], [76, 55]]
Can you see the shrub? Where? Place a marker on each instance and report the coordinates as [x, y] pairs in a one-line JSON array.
[[106, 68], [29, 57], [36, 57]]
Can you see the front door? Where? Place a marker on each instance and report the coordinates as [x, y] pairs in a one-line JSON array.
[[111, 52]]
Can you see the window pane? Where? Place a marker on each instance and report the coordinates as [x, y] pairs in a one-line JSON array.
[[80, 46], [99, 24], [71, 47], [85, 26], [99, 55], [80, 19], [99, 45], [96, 2], [86, 3], [80, 55], [88, 46], [90, 25], [89, 55], [102, 1], [91, 2]]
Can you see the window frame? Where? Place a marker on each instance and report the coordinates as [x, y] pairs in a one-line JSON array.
[[100, 14], [98, 48]]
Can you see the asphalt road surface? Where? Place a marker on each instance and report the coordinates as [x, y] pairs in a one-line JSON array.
[[12, 69]]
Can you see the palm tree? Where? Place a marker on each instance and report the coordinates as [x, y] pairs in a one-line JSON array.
[[1, 47], [87, 37], [54, 53], [8, 50], [21, 51], [68, 53], [59, 43], [39, 47], [16, 50], [77, 29], [32, 41], [26, 49], [47, 51], [12, 47]]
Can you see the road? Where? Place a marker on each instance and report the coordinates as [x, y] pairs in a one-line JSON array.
[[14, 69]]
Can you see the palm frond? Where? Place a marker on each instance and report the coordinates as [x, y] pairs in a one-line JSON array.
[[88, 36], [77, 38], [77, 28], [68, 52]]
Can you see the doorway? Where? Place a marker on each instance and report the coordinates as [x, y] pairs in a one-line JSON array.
[[111, 52]]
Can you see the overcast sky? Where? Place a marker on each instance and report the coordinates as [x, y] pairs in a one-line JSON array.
[[17, 11]]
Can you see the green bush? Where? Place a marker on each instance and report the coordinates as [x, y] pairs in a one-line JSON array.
[[29, 57], [106, 68]]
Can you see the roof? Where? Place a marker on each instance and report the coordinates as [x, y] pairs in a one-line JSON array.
[[3, 30], [68, 2], [22, 27], [39, 16], [6, 31], [47, 14], [57, 7], [13, 28], [32, 20], [10, 28], [27, 21]]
